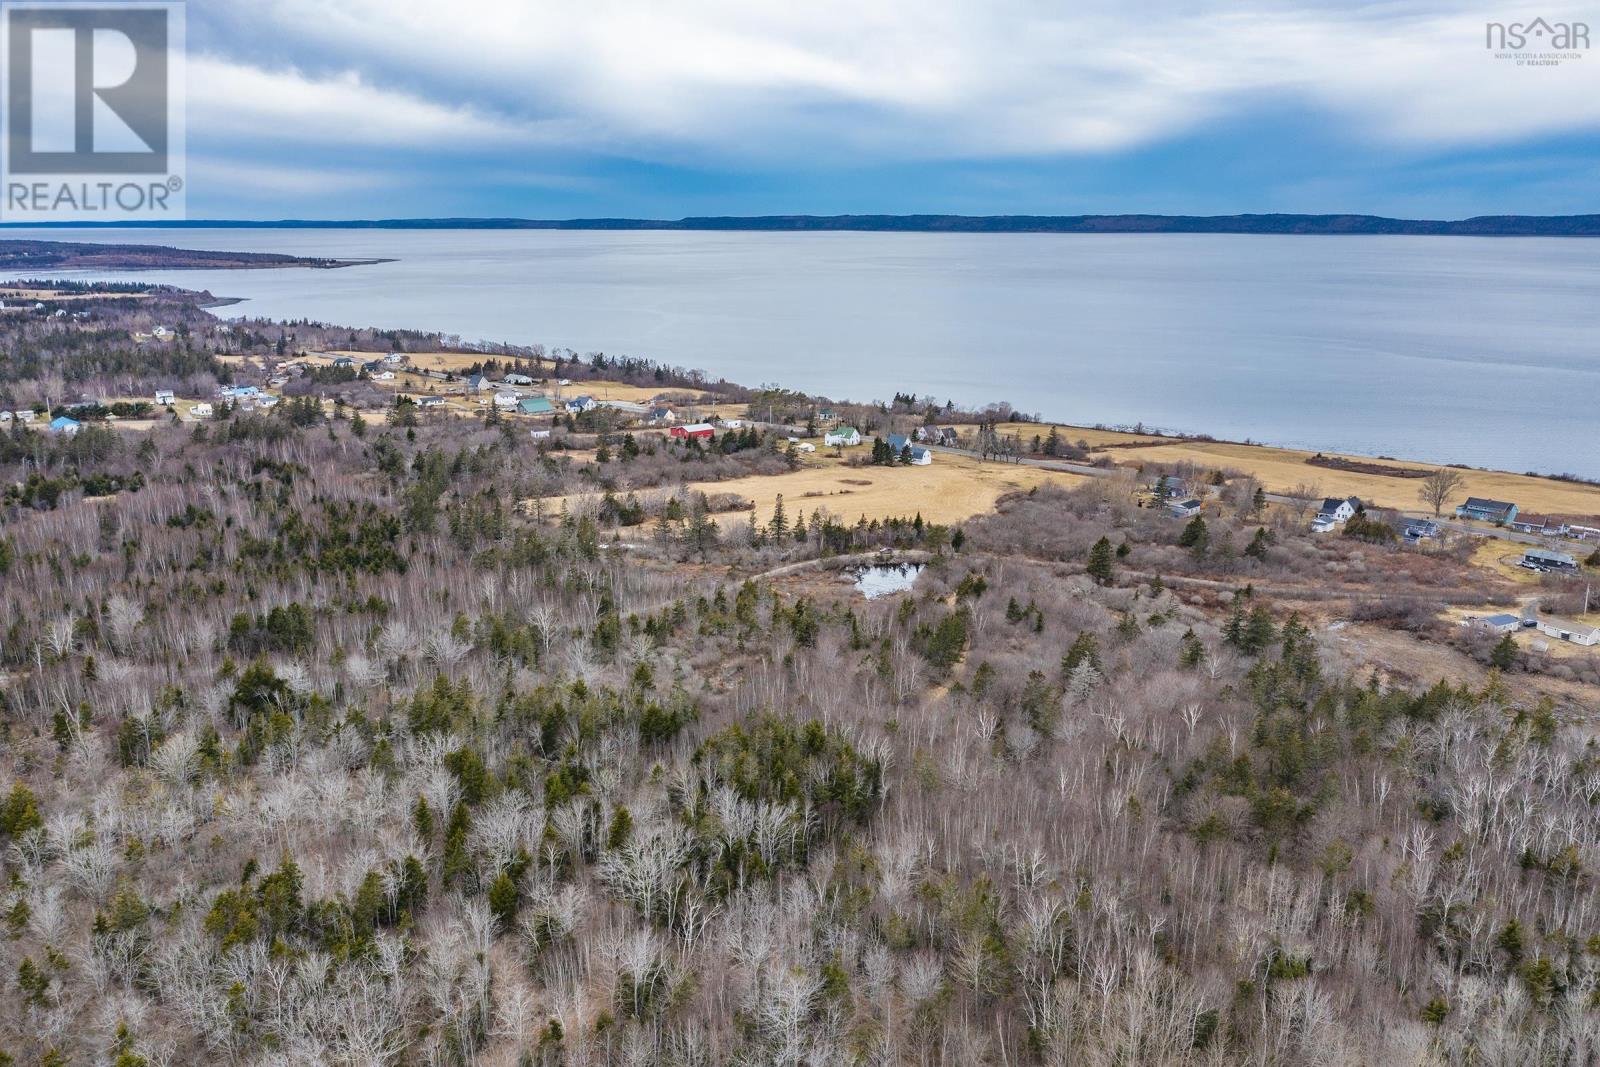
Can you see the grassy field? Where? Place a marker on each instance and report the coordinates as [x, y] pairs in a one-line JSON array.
[[1282, 469], [949, 490]]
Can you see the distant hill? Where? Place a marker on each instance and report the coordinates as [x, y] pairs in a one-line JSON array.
[[1481, 226]]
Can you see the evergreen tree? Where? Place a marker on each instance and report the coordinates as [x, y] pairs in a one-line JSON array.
[[1101, 561], [1195, 535], [1194, 653], [1504, 656]]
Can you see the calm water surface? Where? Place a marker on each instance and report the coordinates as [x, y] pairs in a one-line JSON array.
[[1466, 350]]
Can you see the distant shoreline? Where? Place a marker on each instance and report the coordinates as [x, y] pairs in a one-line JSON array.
[[1266, 224], [41, 256]]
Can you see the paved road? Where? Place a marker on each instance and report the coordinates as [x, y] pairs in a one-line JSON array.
[[1276, 498]]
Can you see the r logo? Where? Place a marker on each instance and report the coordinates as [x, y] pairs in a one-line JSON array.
[[87, 90]]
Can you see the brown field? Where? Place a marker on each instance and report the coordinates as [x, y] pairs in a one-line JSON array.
[[1282, 469], [949, 490]]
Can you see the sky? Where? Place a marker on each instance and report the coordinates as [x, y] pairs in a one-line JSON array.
[[544, 109]]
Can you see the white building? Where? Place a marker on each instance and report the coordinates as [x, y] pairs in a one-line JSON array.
[[200, 411], [165, 397], [846, 435], [1578, 633]]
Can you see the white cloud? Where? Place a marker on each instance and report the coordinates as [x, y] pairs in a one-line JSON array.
[[231, 99], [862, 80]]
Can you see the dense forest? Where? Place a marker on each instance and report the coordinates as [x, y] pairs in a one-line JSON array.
[[336, 735]]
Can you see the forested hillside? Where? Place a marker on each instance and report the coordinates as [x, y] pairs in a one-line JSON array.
[[323, 745]]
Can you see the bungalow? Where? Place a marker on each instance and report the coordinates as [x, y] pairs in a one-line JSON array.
[[1540, 559], [827, 416], [201, 410], [1499, 512], [1184, 509], [536, 405], [515, 379], [1539, 524], [344, 361], [1500, 624], [165, 397], [579, 404], [507, 400], [430, 402], [383, 376], [703, 431], [1578, 633], [1414, 530], [920, 456], [246, 390], [845, 435], [62, 424], [1168, 487], [662, 415], [266, 400]]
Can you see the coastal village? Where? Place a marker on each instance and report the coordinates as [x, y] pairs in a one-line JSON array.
[[979, 464]]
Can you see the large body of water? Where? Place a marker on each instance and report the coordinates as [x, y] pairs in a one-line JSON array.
[[1465, 350]]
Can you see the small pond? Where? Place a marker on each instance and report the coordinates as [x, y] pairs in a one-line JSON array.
[[885, 579]]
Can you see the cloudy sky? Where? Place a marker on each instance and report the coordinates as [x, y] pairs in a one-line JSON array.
[[564, 108]]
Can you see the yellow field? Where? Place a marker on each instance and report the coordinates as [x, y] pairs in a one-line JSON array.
[[1282, 469], [950, 489], [1073, 434]]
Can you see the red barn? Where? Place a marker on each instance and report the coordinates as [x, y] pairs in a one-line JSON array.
[[702, 430]]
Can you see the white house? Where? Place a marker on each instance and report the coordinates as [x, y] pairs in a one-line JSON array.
[[1184, 509], [579, 404], [165, 397], [920, 457], [539, 435], [733, 424], [383, 376], [1578, 633], [1500, 624], [394, 359], [431, 402], [24, 416], [844, 435], [805, 446], [1333, 512], [200, 411], [478, 383], [516, 379], [506, 400]]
